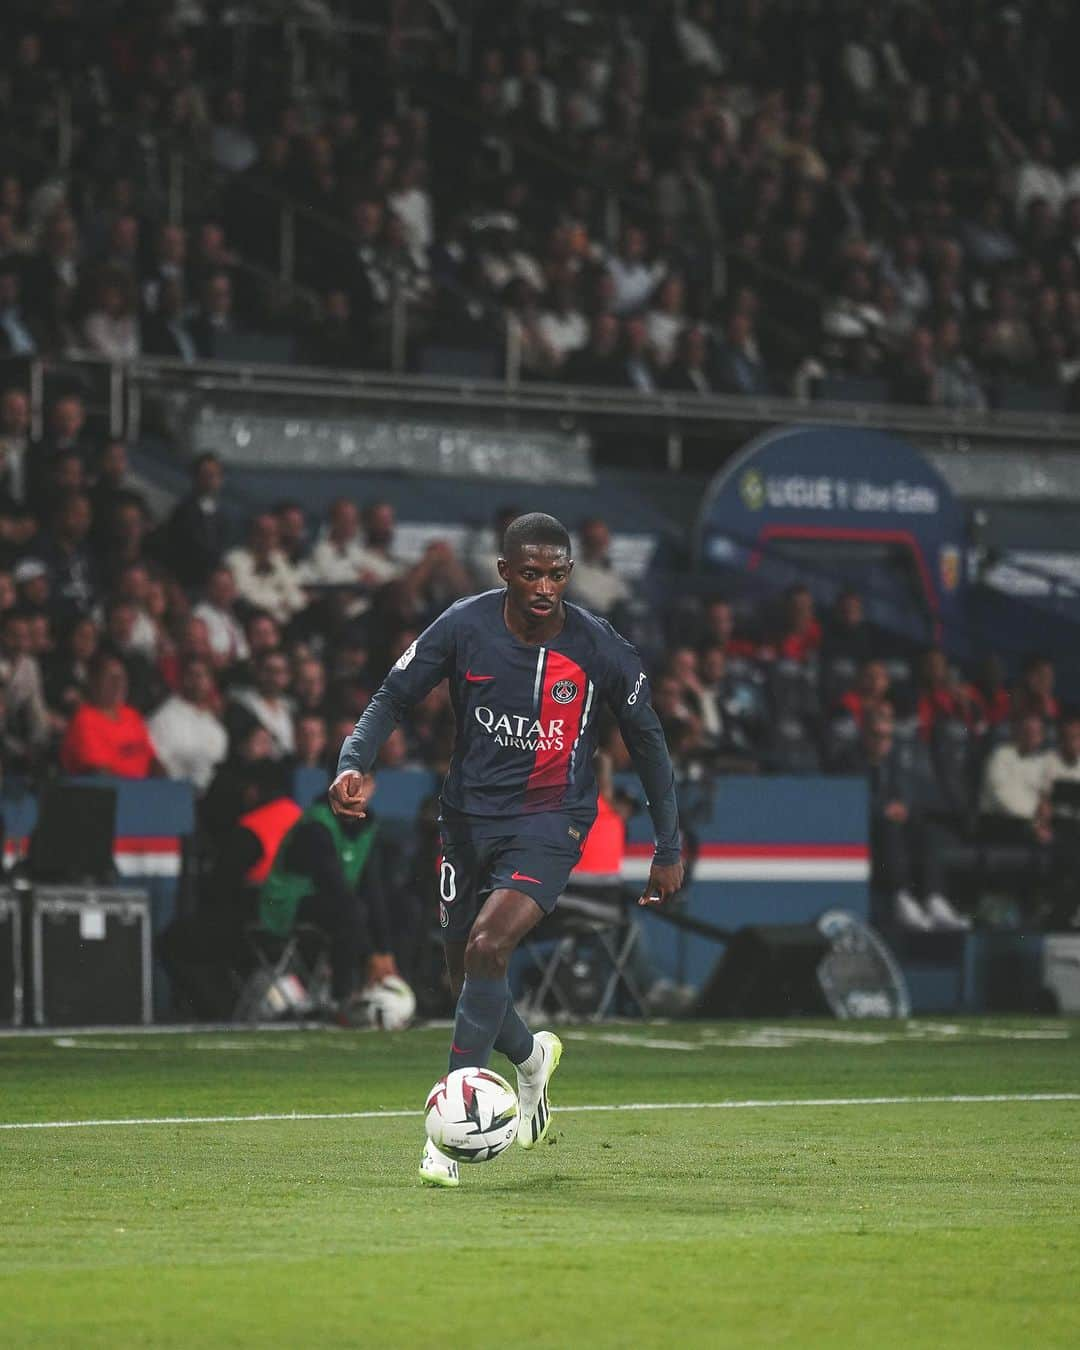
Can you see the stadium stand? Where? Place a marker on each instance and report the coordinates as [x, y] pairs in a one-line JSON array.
[[874, 202]]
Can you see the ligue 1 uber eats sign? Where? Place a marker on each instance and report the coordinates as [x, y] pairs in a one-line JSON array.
[[838, 508]]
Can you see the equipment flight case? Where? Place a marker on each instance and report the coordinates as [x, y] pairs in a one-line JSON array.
[[11, 960], [90, 956]]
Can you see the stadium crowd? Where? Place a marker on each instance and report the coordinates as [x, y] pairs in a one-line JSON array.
[[136, 646], [735, 196]]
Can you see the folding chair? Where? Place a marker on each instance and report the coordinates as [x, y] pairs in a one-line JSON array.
[[282, 978], [582, 915]]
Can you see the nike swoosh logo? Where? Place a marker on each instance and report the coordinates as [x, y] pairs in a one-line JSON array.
[[457, 1049], [477, 679], [520, 876]]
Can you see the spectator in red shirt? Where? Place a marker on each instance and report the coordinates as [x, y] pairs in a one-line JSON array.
[[801, 636], [870, 695], [106, 735], [988, 694], [941, 695], [718, 622]]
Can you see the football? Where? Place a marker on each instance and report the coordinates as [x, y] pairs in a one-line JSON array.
[[472, 1115], [389, 1004]]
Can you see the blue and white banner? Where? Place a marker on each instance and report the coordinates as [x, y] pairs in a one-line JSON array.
[[837, 507]]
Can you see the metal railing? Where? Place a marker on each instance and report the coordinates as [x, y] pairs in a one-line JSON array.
[[670, 420]]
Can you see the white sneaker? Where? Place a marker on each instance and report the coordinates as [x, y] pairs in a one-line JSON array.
[[436, 1169], [534, 1117], [910, 914], [944, 916]]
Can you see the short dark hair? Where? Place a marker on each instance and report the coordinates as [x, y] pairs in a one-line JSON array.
[[535, 528]]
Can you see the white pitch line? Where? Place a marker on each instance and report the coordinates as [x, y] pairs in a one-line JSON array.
[[751, 1104]]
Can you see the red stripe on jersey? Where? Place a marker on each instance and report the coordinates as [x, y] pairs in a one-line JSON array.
[[551, 767]]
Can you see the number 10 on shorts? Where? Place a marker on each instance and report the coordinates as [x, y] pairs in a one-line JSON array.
[[447, 889]]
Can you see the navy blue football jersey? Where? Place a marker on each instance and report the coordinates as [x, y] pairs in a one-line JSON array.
[[526, 721]]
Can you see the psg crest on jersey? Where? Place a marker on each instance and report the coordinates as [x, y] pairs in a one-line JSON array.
[[564, 691]]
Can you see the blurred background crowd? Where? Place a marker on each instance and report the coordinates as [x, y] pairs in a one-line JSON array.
[[876, 200], [183, 646]]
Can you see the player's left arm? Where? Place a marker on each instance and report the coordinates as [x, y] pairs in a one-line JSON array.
[[629, 697], [416, 672]]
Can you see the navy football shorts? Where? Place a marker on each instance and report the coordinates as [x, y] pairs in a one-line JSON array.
[[470, 871]]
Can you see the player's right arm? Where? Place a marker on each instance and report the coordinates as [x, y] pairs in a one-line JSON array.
[[416, 672]]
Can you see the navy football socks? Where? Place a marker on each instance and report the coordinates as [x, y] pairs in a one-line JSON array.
[[514, 1040], [481, 1008]]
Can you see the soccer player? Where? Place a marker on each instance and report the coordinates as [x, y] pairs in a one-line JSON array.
[[527, 674]]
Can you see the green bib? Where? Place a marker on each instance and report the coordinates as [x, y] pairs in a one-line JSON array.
[[282, 891]]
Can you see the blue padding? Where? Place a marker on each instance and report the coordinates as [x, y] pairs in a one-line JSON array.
[[399, 793], [1003, 972], [805, 810], [934, 989], [147, 807], [307, 786]]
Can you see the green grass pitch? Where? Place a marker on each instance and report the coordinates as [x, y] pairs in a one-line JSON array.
[[810, 1222]]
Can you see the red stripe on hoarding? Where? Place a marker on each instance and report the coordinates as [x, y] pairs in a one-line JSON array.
[[827, 532], [551, 767], [147, 843]]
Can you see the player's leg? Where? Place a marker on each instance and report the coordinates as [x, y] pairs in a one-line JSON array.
[[505, 918], [455, 966], [514, 1040], [538, 871]]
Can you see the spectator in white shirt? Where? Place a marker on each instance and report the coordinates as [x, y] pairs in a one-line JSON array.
[[187, 733], [594, 583], [133, 584], [666, 320], [633, 277], [14, 444], [27, 717], [904, 271], [1063, 762], [377, 557], [337, 558], [697, 42], [112, 327], [1016, 782], [545, 100], [232, 146], [411, 203], [217, 610], [562, 326], [264, 579], [1038, 176], [266, 701], [16, 337]]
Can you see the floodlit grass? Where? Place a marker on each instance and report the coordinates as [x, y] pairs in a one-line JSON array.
[[922, 1223]]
